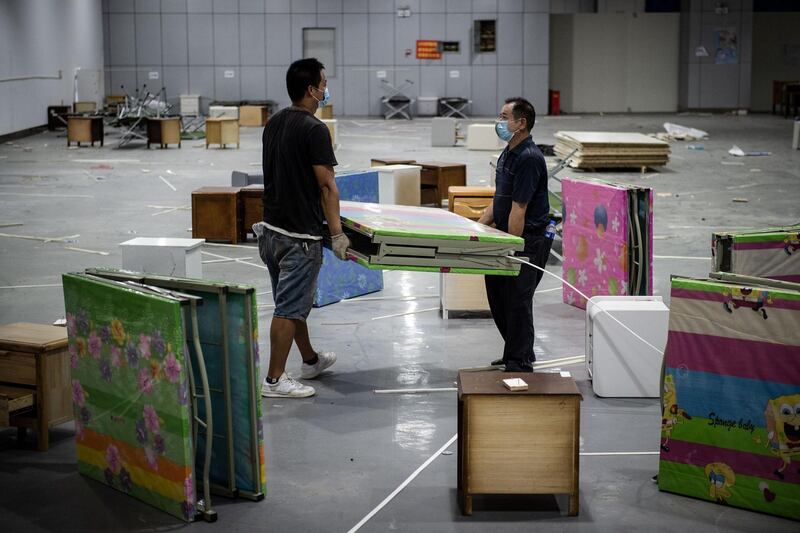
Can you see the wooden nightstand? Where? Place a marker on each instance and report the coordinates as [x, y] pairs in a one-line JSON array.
[[522, 442], [84, 129], [469, 202], [222, 131], [436, 177], [251, 200], [35, 389], [164, 131], [216, 214]]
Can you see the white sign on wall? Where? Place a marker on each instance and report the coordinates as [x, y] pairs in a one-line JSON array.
[[229, 74], [152, 75], [381, 74], [455, 74]]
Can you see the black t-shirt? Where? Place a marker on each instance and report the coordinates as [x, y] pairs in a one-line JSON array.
[[521, 177], [293, 141]]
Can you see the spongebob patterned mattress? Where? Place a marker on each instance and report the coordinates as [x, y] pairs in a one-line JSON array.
[[730, 429]]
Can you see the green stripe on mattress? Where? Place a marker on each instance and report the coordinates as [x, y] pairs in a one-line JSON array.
[[747, 491]]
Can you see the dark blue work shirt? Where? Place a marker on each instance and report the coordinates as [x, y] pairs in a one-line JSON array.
[[521, 177]]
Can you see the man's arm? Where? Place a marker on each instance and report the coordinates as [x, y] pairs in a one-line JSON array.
[[487, 218], [516, 220], [330, 197]]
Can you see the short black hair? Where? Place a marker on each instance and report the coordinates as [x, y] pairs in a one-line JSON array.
[[301, 74], [522, 108]]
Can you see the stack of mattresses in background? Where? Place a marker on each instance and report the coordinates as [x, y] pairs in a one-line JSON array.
[[606, 149], [158, 364], [393, 237], [768, 253], [608, 239], [731, 393]]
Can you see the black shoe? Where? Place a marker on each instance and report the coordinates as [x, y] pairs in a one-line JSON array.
[[514, 367], [498, 362]]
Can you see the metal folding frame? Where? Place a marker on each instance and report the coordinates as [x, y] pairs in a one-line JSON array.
[[221, 290], [397, 102], [454, 107]]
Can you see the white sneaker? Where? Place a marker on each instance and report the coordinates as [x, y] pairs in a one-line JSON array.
[[324, 360], [286, 387]]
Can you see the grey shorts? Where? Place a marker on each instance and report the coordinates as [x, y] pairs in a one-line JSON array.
[[293, 268]]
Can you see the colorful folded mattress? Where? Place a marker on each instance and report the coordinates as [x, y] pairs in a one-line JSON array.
[[731, 393], [391, 237], [147, 351], [768, 253], [339, 280], [608, 239]]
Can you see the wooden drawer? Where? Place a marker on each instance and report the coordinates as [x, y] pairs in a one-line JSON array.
[[18, 368], [470, 207], [13, 400]]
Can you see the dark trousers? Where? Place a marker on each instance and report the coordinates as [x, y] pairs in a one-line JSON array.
[[511, 303]]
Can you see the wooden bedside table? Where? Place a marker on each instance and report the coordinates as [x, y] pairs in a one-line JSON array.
[[522, 442], [164, 131], [251, 199], [35, 388], [216, 214], [222, 131], [469, 202], [84, 129], [437, 177]]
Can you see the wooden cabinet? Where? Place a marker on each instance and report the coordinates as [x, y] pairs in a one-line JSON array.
[[253, 115], [251, 199], [222, 131], [164, 131], [84, 129], [216, 214], [470, 202], [523, 442], [436, 177], [35, 390], [465, 292], [57, 116]]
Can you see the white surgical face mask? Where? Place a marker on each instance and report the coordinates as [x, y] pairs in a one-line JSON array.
[[326, 97]]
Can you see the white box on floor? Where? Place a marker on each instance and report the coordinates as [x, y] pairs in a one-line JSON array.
[[483, 137], [190, 105], [443, 131], [619, 364], [163, 255], [399, 184], [217, 111]]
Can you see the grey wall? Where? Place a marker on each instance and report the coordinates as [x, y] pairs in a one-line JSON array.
[[39, 38], [704, 84], [192, 43], [615, 62], [772, 32]]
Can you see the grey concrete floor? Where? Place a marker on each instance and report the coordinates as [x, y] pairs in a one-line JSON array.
[[332, 458]]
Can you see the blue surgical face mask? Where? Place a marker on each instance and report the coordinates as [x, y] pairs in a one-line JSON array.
[[326, 97], [501, 129]]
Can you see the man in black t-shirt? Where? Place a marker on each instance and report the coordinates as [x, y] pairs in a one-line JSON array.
[[520, 207], [299, 195]]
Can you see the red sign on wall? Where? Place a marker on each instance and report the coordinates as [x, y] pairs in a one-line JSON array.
[[428, 50]]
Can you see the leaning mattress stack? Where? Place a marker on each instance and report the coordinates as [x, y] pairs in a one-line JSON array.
[[604, 149], [730, 429]]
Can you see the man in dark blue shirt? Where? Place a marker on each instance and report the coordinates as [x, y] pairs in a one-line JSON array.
[[520, 207]]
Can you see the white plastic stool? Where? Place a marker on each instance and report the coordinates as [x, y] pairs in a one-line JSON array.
[[163, 255], [399, 184], [483, 137]]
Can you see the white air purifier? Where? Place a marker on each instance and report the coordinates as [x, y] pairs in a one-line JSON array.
[[619, 364]]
